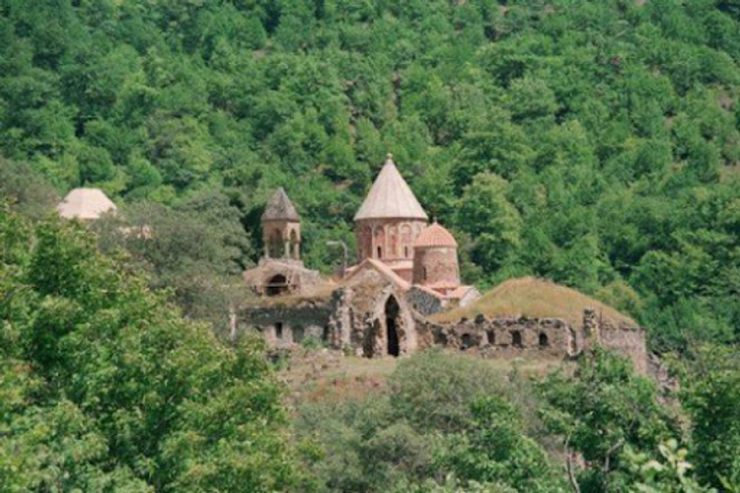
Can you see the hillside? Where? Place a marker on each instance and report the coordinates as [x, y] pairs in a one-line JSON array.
[[535, 298], [595, 143], [592, 143]]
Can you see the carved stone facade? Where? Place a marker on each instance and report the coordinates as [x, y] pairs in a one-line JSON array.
[[390, 241]]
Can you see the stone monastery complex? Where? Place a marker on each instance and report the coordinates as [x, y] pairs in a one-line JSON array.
[[405, 292], [407, 276]]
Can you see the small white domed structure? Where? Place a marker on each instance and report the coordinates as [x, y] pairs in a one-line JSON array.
[[85, 204]]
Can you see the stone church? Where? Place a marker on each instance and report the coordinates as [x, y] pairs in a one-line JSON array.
[[406, 279], [406, 268]]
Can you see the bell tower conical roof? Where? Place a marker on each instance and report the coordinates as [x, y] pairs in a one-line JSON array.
[[280, 208], [390, 197]]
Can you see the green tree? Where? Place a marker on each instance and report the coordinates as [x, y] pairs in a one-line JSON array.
[[105, 386], [710, 393], [598, 411], [495, 224]]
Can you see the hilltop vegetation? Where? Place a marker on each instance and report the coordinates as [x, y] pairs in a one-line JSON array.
[[593, 143]]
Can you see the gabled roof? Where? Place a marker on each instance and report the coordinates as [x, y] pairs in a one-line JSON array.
[[435, 236], [85, 203], [390, 197], [382, 269], [280, 208]]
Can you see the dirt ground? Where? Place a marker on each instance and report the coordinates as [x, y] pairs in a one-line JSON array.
[[324, 375]]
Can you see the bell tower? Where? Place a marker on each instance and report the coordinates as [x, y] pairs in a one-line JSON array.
[[281, 228]]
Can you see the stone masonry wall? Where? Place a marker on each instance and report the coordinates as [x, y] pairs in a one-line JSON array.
[[628, 342], [515, 336], [285, 326], [436, 265], [545, 337]]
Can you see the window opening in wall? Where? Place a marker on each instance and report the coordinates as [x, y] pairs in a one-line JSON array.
[[516, 338], [544, 342], [325, 333], [406, 252], [298, 334], [424, 273], [467, 342], [380, 252], [491, 337], [277, 285], [279, 330]]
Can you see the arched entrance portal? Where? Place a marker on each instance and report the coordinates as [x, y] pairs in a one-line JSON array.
[[392, 313]]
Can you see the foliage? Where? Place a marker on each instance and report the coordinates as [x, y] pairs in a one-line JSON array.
[[437, 428], [711, 395], [28, 192], [599, 411], [104, 386], [195, 249], [670, 475]]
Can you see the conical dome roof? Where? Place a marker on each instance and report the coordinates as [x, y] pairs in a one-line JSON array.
[[280, 208], [435, 236], [85, 203], [390, 197]]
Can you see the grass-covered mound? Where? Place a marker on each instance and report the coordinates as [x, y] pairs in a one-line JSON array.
[[534, 297]]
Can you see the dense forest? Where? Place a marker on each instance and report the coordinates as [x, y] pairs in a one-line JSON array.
[[594, 143]]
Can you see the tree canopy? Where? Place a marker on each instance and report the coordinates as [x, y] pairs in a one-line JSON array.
[[98, 386]]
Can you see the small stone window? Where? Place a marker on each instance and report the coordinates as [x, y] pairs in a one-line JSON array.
[[424, 273], [325, 333], [380, 252], [544, 341], [279, 331], [491, 336], [467, 342], [516, 338], [406, 252]]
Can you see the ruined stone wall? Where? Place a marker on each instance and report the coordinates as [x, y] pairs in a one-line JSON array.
[[546, 337], [362, 321], [424, 302], [285, 326], [628, 341], [514, 336]]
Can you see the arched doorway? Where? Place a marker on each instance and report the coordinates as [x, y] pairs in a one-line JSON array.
[[277, 285], [392, 315]]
